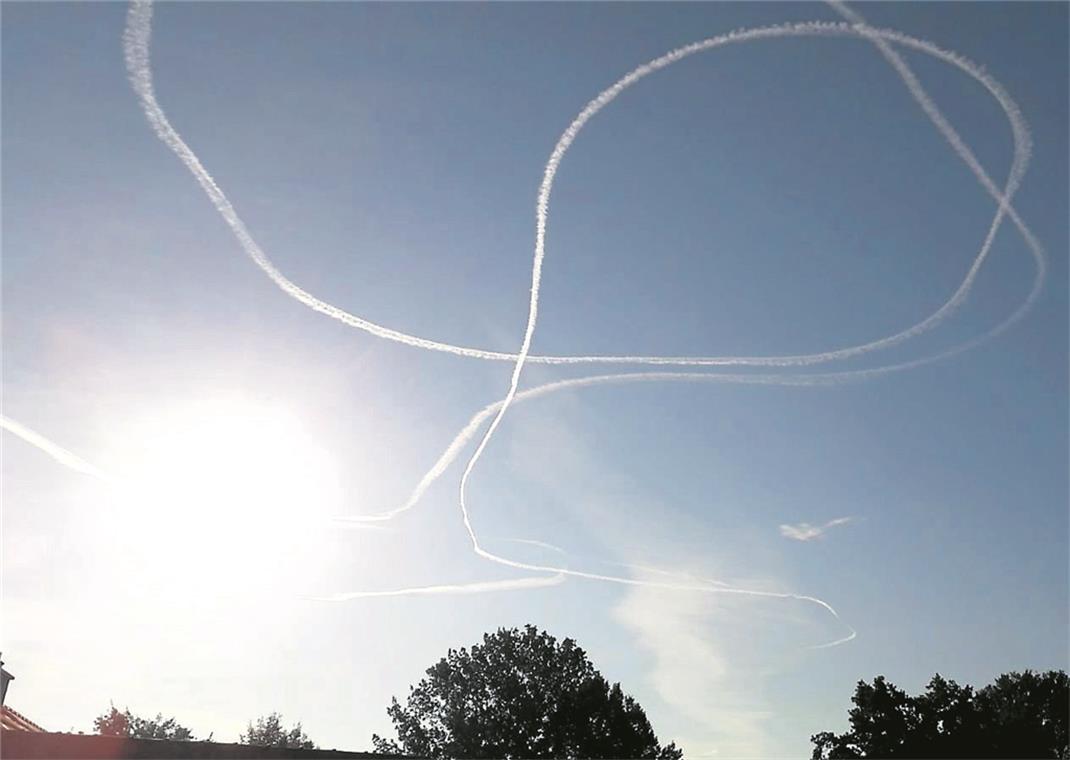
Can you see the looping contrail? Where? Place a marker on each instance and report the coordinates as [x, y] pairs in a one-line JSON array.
[[136, 45], [1022, 148]]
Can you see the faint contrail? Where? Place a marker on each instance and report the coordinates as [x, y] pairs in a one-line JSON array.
[[54, 450], [828, 607], [137, 37], [539, 544], [480, 587], [660, 571]]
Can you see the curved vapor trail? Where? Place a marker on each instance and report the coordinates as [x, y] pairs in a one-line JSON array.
[[823, 379], [542, 212], [469, 431], [136, 44], [703, 585], [76, 463], [917, 91]]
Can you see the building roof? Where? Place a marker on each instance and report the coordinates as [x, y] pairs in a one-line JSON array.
[[25, 745], [15, 721]]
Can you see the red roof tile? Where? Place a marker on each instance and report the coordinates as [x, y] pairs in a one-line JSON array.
[[14, 721]]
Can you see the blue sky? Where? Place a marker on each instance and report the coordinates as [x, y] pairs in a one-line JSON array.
[[779, 197]]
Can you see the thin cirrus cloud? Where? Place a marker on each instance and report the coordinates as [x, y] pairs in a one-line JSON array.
[[806, 532], [716, 703]]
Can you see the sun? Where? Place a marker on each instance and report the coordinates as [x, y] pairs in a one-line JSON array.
[[226, 490]]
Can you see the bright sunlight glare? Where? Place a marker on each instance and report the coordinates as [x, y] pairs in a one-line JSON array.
[[226, 489]]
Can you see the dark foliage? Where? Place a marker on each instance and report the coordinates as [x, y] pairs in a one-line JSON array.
[[1020, 715], [520, 694], [269, 732], [115, 723]]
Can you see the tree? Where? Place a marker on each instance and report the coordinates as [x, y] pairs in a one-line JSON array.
[[115, 723], [1020, 715], [269, 732], [520, 694]]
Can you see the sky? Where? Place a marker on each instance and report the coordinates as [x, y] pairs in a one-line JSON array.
[[779, 197]]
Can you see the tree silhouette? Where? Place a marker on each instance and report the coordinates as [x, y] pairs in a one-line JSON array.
[[520, 694], [269, 732], [1020, 715], [115, 723]]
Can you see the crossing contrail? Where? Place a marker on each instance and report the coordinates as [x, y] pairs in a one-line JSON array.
[[498, 410], [136, 43], [484, 424], [810, 379], [542, 211]]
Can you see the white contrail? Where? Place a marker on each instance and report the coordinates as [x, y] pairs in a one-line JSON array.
[[559, 577], [76, 463], [813, 379], [660, 571], [469, 431], [1022, 138], [1023, 145], [481, 587], [541, 215], [690, 584], [537, 544], [136, 45], [828, 607], [54, 450], [137, 38]]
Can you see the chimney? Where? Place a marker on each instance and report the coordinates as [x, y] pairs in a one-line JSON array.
[[5, 678]]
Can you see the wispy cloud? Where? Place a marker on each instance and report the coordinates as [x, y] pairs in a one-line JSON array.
[[806, 532], [715, 706]]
